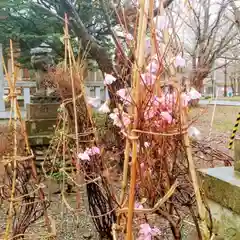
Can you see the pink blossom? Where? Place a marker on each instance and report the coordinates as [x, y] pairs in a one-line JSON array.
[[109, 79], [145, 232], [124, 94], [180, 62], [95, 150], [89, 152], [84, 156], [120, 119], [148, 79], [166, 116]]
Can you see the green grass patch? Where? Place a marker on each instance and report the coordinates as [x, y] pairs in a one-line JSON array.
[[234, 98]]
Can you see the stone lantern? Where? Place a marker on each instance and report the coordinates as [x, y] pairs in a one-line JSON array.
[[41, 60]]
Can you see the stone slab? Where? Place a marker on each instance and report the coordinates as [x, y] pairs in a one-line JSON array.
[[51, 98], [222, 185], [42, 110], [40, 126], [226, 223]]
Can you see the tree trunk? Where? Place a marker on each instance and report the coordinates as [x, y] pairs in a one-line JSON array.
[[197, 83], [232, 79], [197, 76], [225, 79]]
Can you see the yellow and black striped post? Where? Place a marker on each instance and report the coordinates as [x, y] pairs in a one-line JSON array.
[[235, 128]]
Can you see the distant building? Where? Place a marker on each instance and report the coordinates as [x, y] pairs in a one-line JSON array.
[[215, 83]]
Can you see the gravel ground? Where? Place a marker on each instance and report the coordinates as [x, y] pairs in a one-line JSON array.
[[69, 225], [65, 220]]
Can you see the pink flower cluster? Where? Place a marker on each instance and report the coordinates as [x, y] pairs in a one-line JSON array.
[[88, 153], [159, 110], [147, 233], [120, 119]]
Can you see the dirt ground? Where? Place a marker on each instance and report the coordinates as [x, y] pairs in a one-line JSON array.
[[218, 137]]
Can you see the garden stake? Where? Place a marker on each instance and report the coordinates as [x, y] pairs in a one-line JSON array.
[[68, 47], [14, 157], [193, 174], [125, 171], [143, 17]]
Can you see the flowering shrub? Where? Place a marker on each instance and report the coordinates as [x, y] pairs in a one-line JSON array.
[[149, 110]]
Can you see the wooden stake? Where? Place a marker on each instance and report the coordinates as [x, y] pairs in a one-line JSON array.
[[14, 157], [144, 5], [192, 171], [69, 56]]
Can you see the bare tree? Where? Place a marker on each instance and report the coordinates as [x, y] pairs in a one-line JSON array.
[[210, 34], [236, 12]]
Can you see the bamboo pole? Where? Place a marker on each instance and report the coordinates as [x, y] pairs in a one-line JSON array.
[[193, 174], [136, 77], [72, 80], [14, 157], [69, 56], [125, 171], [63, 138]]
